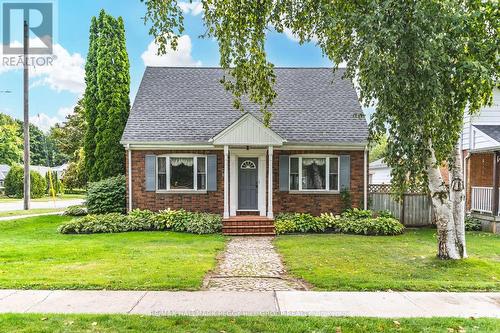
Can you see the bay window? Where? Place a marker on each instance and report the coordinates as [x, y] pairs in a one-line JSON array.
[[314, 173], [181, 173]]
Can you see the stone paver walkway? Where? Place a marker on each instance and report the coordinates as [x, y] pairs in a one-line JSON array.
[[296, 303], [251, 264]]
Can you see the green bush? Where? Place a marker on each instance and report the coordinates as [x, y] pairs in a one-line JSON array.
[[144, 214], [77, 210], [472, 224], [363, 226], [56, 187], [107, 196], [298, 222], [196, 223], [14, 183], [38, 185], [145, 220], [284, 225], [353, 221], [172, 219], [356, 214], [384, 213], [92, 224], [203, 223]]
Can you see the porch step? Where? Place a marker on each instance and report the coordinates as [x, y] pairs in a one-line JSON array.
[[248, 226], [250, 234], [266, 223]]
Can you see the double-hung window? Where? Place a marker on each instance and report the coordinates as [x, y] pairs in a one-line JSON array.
[[314, 173], [181, 173]]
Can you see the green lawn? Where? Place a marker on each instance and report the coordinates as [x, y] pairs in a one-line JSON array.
[[34, 256], [46, 198], [30, 212], [405, 262], [122, 323]]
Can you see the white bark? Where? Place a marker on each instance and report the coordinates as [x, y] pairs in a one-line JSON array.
[[457, 197], [451, 243]]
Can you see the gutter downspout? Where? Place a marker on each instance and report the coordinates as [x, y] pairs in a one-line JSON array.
[[365, 179], [129, 162]]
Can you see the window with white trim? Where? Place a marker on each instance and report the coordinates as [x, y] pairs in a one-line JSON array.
[[314, 173], [181, 173], [334, 174]]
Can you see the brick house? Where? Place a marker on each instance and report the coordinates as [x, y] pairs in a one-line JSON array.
[[481, 150], [187, 147]]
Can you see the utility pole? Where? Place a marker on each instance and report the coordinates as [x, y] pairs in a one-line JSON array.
[[26, 121]]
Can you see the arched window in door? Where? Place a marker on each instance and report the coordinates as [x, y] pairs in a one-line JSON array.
[[246, 165]]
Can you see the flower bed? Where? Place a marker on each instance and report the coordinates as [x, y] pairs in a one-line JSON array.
[[145, 220], [355, 221]]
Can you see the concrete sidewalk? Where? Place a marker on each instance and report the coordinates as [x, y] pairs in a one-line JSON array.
[[371, 304], [49, 204], [18, 217]]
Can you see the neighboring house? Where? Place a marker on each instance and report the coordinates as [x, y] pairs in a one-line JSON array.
[[187, 147], [380, 173], [480, 143], [4, 170]]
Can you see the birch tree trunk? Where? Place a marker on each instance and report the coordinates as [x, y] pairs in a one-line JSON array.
[[457, 197], [448, 209]]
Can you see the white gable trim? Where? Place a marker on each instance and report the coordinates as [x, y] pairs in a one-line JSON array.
[[481, 140], [247, 131]]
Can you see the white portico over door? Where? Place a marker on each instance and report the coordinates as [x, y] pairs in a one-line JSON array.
[[248, 144]]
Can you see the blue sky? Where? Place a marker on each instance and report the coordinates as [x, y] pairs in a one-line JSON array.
[[55, 90]]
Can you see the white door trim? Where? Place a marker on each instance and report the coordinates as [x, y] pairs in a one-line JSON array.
[[260, 154]]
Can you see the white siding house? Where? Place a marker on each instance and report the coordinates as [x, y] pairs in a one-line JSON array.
[[380, 173], [480, 142], [472, 137]]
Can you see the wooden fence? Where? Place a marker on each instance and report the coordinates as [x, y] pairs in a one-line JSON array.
[[414, 210]]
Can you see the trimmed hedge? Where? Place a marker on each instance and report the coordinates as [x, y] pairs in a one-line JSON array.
[[14, 183], [353, 221], [145, 220], [107, 196]]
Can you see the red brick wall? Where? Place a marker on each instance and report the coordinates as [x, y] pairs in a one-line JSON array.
[[214, 201], [481, 169], [318, 203], [479, 173]]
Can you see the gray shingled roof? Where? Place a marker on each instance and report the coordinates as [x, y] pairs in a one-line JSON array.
[[493, 131], [190, 105]]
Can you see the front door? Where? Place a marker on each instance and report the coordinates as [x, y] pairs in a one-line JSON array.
[[248, 183]]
